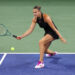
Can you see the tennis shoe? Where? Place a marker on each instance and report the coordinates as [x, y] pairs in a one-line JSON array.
[[51, 54], [39, 65]]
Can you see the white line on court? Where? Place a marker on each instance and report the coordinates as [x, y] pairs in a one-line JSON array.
[[37, 53], [3, 57]]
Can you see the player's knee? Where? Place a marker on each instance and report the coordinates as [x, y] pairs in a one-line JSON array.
[[41, 42]]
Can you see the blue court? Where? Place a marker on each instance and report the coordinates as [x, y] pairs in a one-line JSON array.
[[23, 64]]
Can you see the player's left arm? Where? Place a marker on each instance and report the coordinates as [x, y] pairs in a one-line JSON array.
[[49, 21]]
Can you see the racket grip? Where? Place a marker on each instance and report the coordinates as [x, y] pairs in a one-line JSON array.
[[14, 36]]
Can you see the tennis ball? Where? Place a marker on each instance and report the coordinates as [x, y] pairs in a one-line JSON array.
[[12, 48]]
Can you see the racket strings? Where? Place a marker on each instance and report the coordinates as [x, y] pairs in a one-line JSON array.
[[2, 30]]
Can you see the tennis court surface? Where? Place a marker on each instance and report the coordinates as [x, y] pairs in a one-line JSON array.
[[23, 64]]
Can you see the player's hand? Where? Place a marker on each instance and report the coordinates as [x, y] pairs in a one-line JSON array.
[[63, 40], [19, 38]]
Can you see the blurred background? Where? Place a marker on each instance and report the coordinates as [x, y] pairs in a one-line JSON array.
[[17, 16]]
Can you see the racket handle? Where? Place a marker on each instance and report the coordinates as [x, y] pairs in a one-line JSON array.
[[14, 36]]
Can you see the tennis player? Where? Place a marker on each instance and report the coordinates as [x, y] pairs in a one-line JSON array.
[[51, 33]]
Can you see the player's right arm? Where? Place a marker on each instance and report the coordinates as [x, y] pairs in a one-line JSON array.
[[30, 30]]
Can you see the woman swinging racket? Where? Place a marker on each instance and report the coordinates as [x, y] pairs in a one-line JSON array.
[[51, 33]]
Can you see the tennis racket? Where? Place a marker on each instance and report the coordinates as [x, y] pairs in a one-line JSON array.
[[5, 32]]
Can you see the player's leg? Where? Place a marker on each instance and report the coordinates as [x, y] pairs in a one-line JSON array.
[[48, 51], [46, 39]]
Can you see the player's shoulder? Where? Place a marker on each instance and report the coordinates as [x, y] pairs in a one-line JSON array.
[[46, 16]]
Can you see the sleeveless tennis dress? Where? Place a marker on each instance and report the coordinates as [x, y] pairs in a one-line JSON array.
[[47, 28]]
